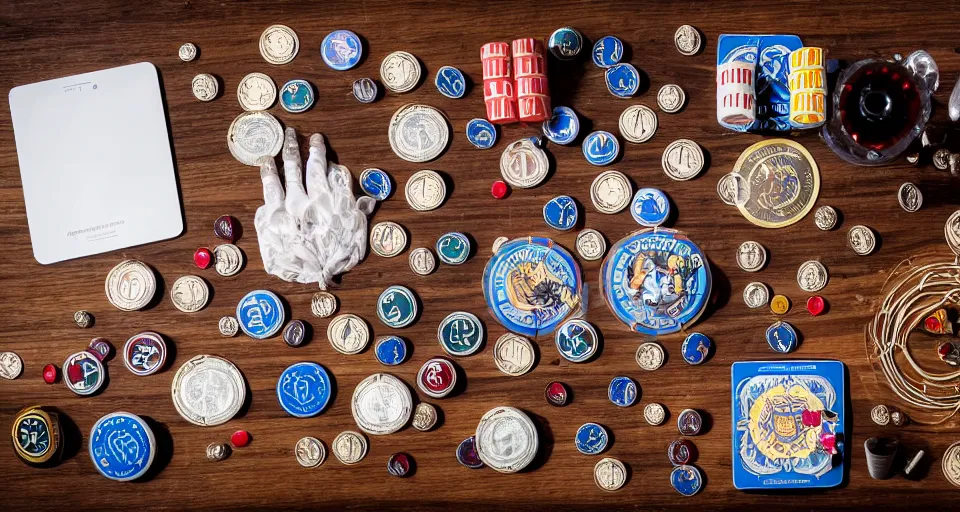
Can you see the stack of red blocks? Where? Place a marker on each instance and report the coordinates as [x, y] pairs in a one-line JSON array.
[[519, 92]]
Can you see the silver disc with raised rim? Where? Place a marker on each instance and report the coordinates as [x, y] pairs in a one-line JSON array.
[[638, 124], [506, 439], [190, 293], [349, 447], [253, 136], [513, 354], [208, 390], [381, 404], [348, 334], [130, 285], [400, 72], [310, 452], [256, 92], [418, 133], [425, 190], [611, 192], [279, 44], [523, 164]]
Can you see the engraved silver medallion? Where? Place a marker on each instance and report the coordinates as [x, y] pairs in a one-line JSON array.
[[951, 464], [654, 414], [751, 256], [506, 439], [638, 123], [670, 98], [348, 334], [682, 160], [229, 326], [498, 243], [349, 447], [187, 52], [951, 231], [422, 261], [812, 276], [130, 285], [253, 136], [910, 197], [611, 192], [310, 452], [425, 417], [381, 404], [400, 72], [687, 40], [609, 474], [11, 366], [756, 295], [418, 133], [256, 92], [591, 245], [205, 87], [880, 415], [365, 90], [825, 218], [388, 239], [425, 190], [83, 319], [208, 390], [732, 189], [323, 304], [229, 259], [189, 294], [279, 44], [523, 164], [513, 354], [650, 356], [861, 239]]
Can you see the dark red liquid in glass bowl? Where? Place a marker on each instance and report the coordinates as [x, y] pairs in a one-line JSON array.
[[879, 105]]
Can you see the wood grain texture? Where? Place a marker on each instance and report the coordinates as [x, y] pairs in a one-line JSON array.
[[43, 40]]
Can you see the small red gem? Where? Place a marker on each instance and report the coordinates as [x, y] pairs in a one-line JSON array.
[[810, 418], [203, 257], [499, 189], [829, 442], [240, 438], [816, 305], [944, 349], [50, 373], [932, 324]]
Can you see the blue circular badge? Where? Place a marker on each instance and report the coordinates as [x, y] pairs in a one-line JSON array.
[[481, 133], [297, 96], [562, 127], [591, 439], [656, 281], [460, 333], [695, 348], [622, 391], [565, 43], [451, 82], [531, 285], [782, 337], [560, 213], [391, 350], [576, 340], [303, 389], [601, 148], [686, 480], [607, 51], [650, 207], [376, 183], [397, 307], [453, 248], [623, 80], [122, 446], [261, 314], [341, 49]]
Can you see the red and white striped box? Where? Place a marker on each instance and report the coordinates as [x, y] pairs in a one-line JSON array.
[[530, 71], [736, 96], [499, 93]]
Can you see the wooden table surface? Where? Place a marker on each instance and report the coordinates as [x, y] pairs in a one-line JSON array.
[[44, 40]]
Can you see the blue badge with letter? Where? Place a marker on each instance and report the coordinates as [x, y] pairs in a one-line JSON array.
[[607, 51], [391, 350], [687, 480], [562, 127], [451, 82], [296, 96], [341, 49], [650, 207], [782, 337], [560, 213], [623, 80], [453, 248], [695, 348], [304, 389], [397, 307], [600, 148], [376, 183], [261, 314], [591, 439], [481, 133], [622, 391], [460, 333], [122, 446]]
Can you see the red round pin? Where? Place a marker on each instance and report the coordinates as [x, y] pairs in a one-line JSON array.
[[240, 438], [50, 373], [816, 305], [203, 257], [499, 189]]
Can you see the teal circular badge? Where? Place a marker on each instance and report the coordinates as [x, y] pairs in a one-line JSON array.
[[460, 333], [577, 340], [397, 307], [453, 248]]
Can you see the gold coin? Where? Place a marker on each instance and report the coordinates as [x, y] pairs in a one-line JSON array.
[[782, 182], [779, 304]]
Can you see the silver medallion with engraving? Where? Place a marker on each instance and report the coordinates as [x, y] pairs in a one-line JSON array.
[[609, 474], [611, 192], [523, 164], [812, 276], [951, 464], [682, 160], [650, 356], [506, 439], [253, 136], [825, 218], [323, 304], [654, 414], [910, 197], [388, 239], [732, 189], [365, 90], [425, 190], [638, 124], [189, 294], [418, 133], [348, 334], [11, 366], [381, 404], [422, 261], [688, 41], [279, 44], [513, 354], [349, 447], [862, 240], [498, 243], [208, 390], [756, 295], [205, 87], [256, 92], [187, 52], [229, 259], [400, 72], [130, 285], [880, 415], [951, 232], [310, 452], [424, 417], [671, 98], [217, 451], [751, 256], [229, 326], [591, 245]]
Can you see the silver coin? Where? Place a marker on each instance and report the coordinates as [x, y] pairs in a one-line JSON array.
[[650, 356], [751, 256], [611, 192], [910, 197], [349, 447], [189, 294], [670, 98], [400, 72], [422, 261], [756, 295], [253, 136], [279, 44], [825, 218], [425, 190], [418, 133], [861, 239], [205, 87], [682, 160], [256, 92], [654, 413], [609, 474], [217, 451], [941, 159], [11, 366], [951, 464], [365, 90], [310, 452], [812, 276], [591, 245], [506, 439], [687, 40], [513, 354], [187, 52], [229, 259], [523, 164], [732, 189], [323, 304], [880, 415], [83, 319], [498, 243], [638, 123], [388, 239], [381, 404], [229, 326], [951, 231], [348, 334], [130, 285], [208, 390], [425, 417]]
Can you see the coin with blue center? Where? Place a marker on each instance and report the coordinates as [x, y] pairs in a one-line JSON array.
[[297, 96], [695, 348], [686, 480], [376, 183], [481, 133], [397, 307], [451, 82], [576, 340], [122, 446], [650, 207], [304, 389], [782, 337], [391, 350], [560, 213], [622, 391], [453, 248], [562, 127], [592, 439], [623, 80], [260, 314], [601, 148], [341, 49], [607, 51], [460, 333], [565, 43]]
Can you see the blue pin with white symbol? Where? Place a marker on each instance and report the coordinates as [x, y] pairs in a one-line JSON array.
[[376, 183], [623, 80], [122, 446], [460, 333], [451, 82], [601, 148], [453, 248], [341, 49], [397, 307], [622, 391], [260, 314], [782, 337], [297, 96], [481, 133], [304, 389], [391, 350], [592, 439], [650, 207], [686, 480], [562, 127], [560, 213], [607, 51], [576, 340], [695, 348]]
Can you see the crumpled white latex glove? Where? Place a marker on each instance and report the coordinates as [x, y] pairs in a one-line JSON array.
[[312, 235]]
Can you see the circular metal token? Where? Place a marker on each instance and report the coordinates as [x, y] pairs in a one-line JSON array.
[[523, 164], [83, 319], [910, 197], [190, 294], [561, 213], [562, 127], [506, 439], [682, 160], [376, 183], [756, 295], [498, 243], [951, 464], [460, 333], [323, 304], [83, 373], [130, 285], [341, 50], [941, 159], [451, 82], [623, 391], [437, 377], [256, 92], [381, 404], [397, 307], [390, 350], [228, 326], [577, 340], [862, 240], [145, 353], [600, 148], [688, 40], [425, 190], [611, 192], [812, 276], [453, 248], [349, 447], [11, 366], [607, 51], [556, 394], [310, 452], [671, 98], [565, 43], [623, 80], [295, 333], [122, 446], [224, 227], [400, 464], [217, 451], [467, 453], [253, 136], [681, 451], [348, 334], [689, 422], [732, 189], [695, 348], [687, 480], [780, 304], [638, 124], [279, 44], [650, 207], [297, 96], [388, 239], [424, 417], [513, 354], [36, 435], [654, 414], [400, 72], [609, 474], [99, 347], [229, 259], [187, 52], [418, 133], [208, 390], [205, 87], [880, 415], [782, 337], [751, 256], [261, 314], [365, 90], [951, 232], [650, 356], [782, 181], [591, 245], [481, 133], [591, 439], [422, 261]]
